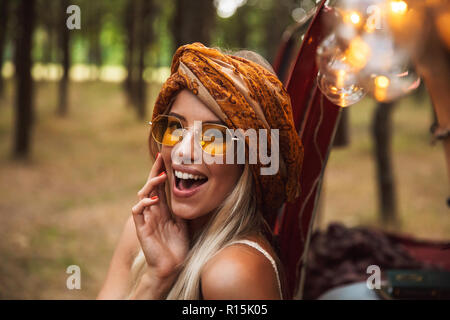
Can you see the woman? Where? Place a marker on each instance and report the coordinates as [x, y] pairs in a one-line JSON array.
[[200, 228]]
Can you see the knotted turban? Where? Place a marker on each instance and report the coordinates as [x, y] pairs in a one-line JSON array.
[[244, 95]]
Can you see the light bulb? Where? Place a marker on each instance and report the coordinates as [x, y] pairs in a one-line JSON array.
[[337, 79], [390, 86], [388, 73], [398, 7]]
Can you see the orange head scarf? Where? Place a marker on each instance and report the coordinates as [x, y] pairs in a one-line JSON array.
[[244, 95]]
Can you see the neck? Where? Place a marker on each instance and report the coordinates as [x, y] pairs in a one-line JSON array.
[[195, 226]]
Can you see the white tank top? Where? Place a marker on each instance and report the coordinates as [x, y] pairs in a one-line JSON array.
[[266, 254]]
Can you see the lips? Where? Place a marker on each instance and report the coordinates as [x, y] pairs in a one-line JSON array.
[[187, 182]]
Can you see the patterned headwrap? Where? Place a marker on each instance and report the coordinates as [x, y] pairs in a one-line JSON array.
[[243, 95]]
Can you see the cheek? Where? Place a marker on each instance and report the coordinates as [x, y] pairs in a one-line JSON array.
[[225, 177]]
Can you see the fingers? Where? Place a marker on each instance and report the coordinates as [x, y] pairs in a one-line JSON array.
[[138, 209], [157, 167], [151, 184], [161, 191]]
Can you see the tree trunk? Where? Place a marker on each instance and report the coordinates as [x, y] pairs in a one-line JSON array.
[[49, 45], [141, 97], [242, 21], [193, 21], [382, 134], [342, 137], [130, 27], [4, 15], [65, 55], [277, 20], [24, 81], [94, 32], [139, 17]]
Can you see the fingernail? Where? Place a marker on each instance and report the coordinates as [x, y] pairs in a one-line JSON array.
[[162, 173], [157, 155], [154, 198]]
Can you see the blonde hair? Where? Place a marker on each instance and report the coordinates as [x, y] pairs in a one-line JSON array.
[[236, 218]]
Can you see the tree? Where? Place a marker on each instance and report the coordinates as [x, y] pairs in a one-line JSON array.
[[94, 26], [193, 21], [4, 15], [278, 17], [64, 44], [24, 81], [382, 135], [342, 137], [139, 17], [47, 19], [129, 26]]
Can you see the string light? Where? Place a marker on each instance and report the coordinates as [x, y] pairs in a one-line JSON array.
[[382, 82], [368, 51], [352, 17], [399, 7], [358, 53]]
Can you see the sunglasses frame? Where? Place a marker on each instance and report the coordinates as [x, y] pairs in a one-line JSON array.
[[185, 128]]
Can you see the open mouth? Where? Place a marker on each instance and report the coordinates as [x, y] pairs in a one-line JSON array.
[[187, 182]]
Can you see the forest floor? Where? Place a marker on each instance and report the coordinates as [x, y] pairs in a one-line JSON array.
[[68, 204]]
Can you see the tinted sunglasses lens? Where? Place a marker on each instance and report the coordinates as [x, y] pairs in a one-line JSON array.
[[167, 130], [214, 139]]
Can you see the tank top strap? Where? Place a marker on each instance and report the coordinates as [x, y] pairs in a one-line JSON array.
[[258, 247]]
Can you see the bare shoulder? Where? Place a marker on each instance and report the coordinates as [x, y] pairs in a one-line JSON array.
[[129, 241], [117, 279], [239, 272]]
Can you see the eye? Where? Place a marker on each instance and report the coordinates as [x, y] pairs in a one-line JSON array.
[[173, 124]]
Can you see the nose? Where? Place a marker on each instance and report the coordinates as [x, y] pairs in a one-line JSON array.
[[187, 151]]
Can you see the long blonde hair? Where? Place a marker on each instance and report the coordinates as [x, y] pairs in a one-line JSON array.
[[236, 218]]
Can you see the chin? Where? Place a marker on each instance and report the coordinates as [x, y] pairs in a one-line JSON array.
[[187, 211]]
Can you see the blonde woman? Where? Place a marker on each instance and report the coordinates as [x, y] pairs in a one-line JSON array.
[[201, 227]]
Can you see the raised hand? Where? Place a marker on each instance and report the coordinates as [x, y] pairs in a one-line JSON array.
[[163, 238]]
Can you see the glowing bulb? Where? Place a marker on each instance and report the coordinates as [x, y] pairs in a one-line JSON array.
[[355, 18], [390, 86], [340, 78], [337, 79], [352, 17], [358, 53], [382, 82], [399, 7]]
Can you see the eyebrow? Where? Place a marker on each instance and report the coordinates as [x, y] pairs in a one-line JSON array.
[[184, 119], [177, 115]]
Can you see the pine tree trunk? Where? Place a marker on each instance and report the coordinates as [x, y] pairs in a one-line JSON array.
[[65, 53], [139, 18], [382, 134], [4, 15], [342, 137], [193, 21], [24, 81], [129, 22], [277, 20]]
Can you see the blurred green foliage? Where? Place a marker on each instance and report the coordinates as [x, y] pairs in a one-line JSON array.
[[254, 26]]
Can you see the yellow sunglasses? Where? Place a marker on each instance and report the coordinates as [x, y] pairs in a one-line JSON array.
[[168, 130]]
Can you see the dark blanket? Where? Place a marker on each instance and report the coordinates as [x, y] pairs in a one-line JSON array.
[[341, 255]]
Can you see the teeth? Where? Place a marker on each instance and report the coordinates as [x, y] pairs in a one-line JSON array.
[[185, 175]]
